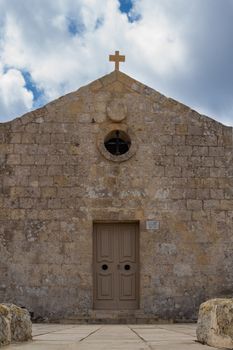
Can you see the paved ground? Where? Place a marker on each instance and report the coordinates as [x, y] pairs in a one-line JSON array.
[[112, 337]]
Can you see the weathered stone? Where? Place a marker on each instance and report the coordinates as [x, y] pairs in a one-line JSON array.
[[20, 323], [215, 323], [5, 330], [57, 178], [116, 110]]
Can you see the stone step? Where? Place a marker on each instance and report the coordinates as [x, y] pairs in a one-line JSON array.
[[114, 317], [128, 320]]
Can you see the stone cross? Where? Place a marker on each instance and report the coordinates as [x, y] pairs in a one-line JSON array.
[[116, 58]]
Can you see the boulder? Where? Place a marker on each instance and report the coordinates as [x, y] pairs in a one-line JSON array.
[[5, 330], [20, 323], [215, 323]]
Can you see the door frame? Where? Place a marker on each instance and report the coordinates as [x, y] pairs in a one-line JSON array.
[[136, 222]]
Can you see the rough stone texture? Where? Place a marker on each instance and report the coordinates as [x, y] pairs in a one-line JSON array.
[[54, 182], [5, 331], [215, 323], [20, 324]]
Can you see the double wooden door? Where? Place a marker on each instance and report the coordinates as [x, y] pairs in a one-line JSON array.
[[116, 266]]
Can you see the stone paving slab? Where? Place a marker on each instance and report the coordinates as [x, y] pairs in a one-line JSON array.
[[112, 337]]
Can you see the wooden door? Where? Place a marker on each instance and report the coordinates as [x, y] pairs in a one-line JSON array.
[[116, 266]]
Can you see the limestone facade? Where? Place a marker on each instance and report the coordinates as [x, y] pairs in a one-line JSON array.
[[57, 179]]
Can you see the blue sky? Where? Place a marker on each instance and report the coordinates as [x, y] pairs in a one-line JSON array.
[[125, 5], [181, 48]]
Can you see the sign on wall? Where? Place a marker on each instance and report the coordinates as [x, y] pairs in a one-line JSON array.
[[152, 225]]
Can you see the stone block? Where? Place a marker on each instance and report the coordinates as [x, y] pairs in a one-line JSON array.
[[46, 149], [226, 204], [173, 171], [211, 204], [13, 159], [57, 138], [17, 125], [20, 323], [207, 140], [195, 130], [7, 149], [180, 161], [164, 139], [48, 192], [194, 161], [17, 214], [32, 128], [45, 181], [95, 85], [5, 214], [178, 140], [200, 151], [220, 162], [228, 193], [54, 170], [54, 203], [217, 194], [5, 330], [217, 172], [43, 139], [15, 138], [26, 203], [27, 159], [28, 138], [158, 171], [181, 129], [54, 160], [194, 204], [20, 149], [179, 150], [203, 193], [202, 172], [22, 171], [215, 323], [208, 161], [216, 151]]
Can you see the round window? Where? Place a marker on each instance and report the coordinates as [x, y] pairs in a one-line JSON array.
[[117, 142]]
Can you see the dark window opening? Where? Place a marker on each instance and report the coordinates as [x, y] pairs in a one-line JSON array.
[[117, 142], [104, 267]]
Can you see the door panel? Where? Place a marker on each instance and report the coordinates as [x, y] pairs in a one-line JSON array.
[[127, 242], [104, 266], [116, 265], [127, 286], [105, 243], [104, 288]]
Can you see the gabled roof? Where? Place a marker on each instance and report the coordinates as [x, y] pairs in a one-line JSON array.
[[117, 81]]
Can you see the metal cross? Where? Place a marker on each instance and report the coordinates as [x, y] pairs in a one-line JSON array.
[[118, 142], [116, 58]]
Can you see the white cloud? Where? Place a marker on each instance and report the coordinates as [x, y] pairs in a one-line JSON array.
[[35, 37], [14, 97]]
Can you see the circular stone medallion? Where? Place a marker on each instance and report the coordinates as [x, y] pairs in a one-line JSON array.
[[117, 110]]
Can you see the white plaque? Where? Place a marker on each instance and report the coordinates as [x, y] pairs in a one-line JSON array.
[[152, 225]]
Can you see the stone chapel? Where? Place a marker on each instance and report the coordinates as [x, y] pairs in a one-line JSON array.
[[116, 203]]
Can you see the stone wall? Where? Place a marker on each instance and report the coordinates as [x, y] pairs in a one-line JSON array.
[[55, 182]]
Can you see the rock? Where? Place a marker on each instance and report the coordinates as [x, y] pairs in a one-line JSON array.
[[20, 323], [5, 330], [215, 323]]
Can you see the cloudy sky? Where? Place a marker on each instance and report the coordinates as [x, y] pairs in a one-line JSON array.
[[182, 48]]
